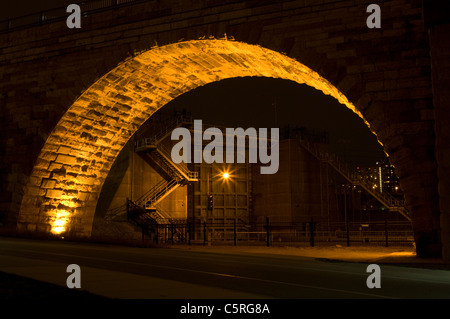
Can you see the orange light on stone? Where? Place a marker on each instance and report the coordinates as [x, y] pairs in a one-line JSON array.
[[59, 224]]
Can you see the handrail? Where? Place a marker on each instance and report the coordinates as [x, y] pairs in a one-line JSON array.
[[168, 127], [114, 212], [182, 167], [164, 214], [158, 192], [387, 200], [165, 217], [157, 138], [149, 143], [141, 200]]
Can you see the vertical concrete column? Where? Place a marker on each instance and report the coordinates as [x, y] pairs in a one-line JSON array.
[[439, 29], [440, 55]]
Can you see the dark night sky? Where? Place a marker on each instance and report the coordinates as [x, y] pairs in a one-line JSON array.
[[297, 105], [223, 102]]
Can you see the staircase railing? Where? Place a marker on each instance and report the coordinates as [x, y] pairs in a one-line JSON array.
[[181, 167], [169, 171], [170, 126], [165, 217], [164, 214], [141, 199], [157, 193], [115, 212], [155, 143], [166, 130], [387, 200], [139, 215]]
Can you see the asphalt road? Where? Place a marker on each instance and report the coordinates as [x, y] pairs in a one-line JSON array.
[[152, 273]]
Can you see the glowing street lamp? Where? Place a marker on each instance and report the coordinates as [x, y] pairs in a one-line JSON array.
[[225, 176]]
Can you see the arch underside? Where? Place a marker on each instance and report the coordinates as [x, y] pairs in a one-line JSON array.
[[67, 178]]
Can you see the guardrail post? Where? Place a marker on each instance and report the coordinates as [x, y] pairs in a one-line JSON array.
[[311, 231], [386, 232], [347, 228], [348, 233], [189, 233], [165, 233], [235, 232], [204, 233]]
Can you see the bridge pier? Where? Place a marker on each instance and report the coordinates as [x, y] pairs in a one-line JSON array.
[[438, 25]]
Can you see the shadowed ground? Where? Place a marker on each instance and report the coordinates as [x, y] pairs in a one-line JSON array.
[[14, 287]]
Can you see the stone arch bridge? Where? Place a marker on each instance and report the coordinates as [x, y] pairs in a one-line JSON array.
[[71, 98]]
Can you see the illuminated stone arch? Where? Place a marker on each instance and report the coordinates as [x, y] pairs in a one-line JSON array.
[[67, 178]]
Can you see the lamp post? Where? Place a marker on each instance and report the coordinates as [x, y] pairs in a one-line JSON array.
[[224, 175]]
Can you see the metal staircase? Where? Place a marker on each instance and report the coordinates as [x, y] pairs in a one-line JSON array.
[[157, 138], [160, 155], [157, 194], [390, 202], [141, 216], [157, 154]]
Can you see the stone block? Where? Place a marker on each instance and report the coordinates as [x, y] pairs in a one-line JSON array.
[[66, 159], [64, 150], [53, 193], [82, 196], [48, 183], [42, 163], [54, 166]]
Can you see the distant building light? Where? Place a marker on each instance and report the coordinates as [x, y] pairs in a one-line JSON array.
[[381, 181]]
